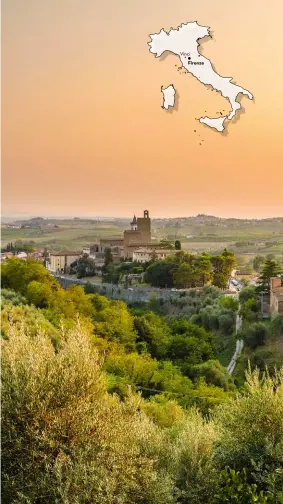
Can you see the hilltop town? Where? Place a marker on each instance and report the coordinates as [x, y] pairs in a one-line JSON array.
[[133, 245]]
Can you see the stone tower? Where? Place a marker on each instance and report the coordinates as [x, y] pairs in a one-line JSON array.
[[134, 224], [138, 235], [144, 227]]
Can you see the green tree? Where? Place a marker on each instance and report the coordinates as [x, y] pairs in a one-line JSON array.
[[226, 320], [12, 297], [166, 244], [111, 273], [230, 303], [17, 274], [223, 265], [190, 344], [192, 271], [39, 293], [256, 334], [114, 322], [214, 374], [178, 245], [18, 315], [154, 332], [184, 276], [203, 269], [235, 489], [108, 257], [247, 293], [163, 411], [258, 261], [83, 267], [160, 274], [271, 268], [250, 310]]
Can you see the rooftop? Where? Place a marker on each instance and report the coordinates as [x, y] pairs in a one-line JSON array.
[[113, 238], [150, 250], [65, 253]]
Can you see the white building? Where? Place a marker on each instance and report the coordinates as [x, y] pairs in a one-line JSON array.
[[89, 252], [6, 255], [21, 255], [144, 254], [60, 262]]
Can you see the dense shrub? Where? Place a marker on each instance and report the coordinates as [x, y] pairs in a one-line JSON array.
[[234, 489], [65, 439], [12, 297], [256, 334], [252, 430]]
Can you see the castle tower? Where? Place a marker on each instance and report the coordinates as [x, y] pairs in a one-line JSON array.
[[134, 224], [139, 234], [144, 227]]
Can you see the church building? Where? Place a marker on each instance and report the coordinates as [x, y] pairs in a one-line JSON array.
[[138, 236]]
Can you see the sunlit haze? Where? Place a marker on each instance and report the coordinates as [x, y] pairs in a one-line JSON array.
[[83, 131]]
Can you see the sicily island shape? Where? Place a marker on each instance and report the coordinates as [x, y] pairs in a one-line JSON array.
[[184, 42]]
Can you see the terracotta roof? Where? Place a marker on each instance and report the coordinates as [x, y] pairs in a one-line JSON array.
[[151, 251], [113, 239], [65, 253], [243, 272]]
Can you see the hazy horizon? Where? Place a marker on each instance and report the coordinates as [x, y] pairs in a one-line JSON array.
[[27, 215]]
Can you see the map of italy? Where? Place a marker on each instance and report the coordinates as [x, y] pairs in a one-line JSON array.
[[184, 41]]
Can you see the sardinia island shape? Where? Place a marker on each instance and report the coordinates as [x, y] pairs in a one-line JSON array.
[[168, 96]]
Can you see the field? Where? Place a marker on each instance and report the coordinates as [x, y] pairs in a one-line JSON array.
[[69, 235], [209, 234], [197, 234]]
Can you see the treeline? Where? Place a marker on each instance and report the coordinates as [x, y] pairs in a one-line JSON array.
[[181, 270], [184, 270], [17, 247]]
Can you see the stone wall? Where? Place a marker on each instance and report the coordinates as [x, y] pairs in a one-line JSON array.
[[131, 295]]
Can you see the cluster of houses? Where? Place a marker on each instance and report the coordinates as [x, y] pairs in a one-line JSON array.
[[136, 244], [37, 254]]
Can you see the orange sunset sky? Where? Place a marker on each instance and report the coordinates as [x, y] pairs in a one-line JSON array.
[[83, 131]]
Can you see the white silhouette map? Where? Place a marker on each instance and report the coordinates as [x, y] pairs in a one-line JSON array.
[[184, 41]]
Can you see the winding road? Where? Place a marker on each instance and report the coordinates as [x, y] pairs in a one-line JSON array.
[[239, 346]]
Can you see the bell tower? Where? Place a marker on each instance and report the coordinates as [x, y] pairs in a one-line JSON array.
[[134, 224], [144, 227], [139, 234]]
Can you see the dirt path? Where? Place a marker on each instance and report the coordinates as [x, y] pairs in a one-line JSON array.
[[239, 347]]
